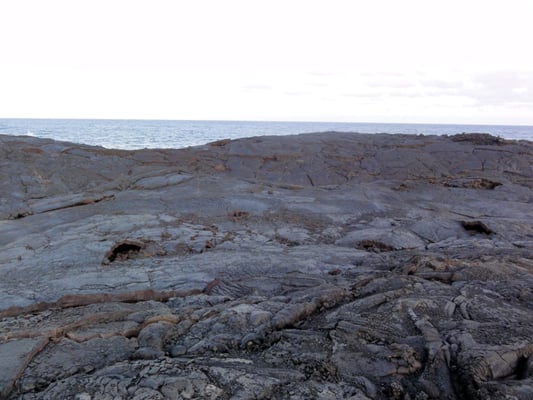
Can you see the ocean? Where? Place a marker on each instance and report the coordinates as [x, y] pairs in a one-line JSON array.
[[139, 134]]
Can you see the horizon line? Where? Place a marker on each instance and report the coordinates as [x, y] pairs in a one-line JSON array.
[[273, 121]]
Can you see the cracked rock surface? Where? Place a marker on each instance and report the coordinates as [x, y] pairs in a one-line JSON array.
[[328, 266]]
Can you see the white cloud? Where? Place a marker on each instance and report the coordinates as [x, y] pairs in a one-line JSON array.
[[503, 88], [245, 59]]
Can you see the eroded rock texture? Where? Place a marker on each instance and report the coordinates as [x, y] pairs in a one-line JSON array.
[[331, 266]]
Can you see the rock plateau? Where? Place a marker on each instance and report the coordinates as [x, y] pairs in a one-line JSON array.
[[328, 265]]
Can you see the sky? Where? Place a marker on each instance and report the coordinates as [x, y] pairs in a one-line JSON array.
[[426, 61]]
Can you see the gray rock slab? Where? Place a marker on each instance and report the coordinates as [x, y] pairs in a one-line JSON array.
[[325, 265], [13, 354]]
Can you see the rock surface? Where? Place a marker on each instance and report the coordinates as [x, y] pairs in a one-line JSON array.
[[326, 266]]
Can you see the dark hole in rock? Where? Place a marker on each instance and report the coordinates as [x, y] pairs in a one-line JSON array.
[[374, 245], [20, 215], [238, 214], [401, 187], [123, 250], [285, 241], [209, 244], [523, 368], [482, 183], [476, 227]]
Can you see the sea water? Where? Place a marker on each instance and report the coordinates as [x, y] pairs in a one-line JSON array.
[[139, 134]]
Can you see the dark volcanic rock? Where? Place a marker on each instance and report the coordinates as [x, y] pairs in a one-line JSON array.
[[326, 266]]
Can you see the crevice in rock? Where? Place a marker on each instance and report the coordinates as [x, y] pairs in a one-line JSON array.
[[83, 202], [476, 227], [92, 201], [78, 300], [310, 180], [482, 183]]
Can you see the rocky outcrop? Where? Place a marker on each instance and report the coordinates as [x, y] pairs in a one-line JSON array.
[[327, 266]]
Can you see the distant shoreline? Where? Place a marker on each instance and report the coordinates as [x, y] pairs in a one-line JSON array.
[[139, 134], [480, 137]]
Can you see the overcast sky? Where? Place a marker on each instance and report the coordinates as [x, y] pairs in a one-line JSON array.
[[356, 61]]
